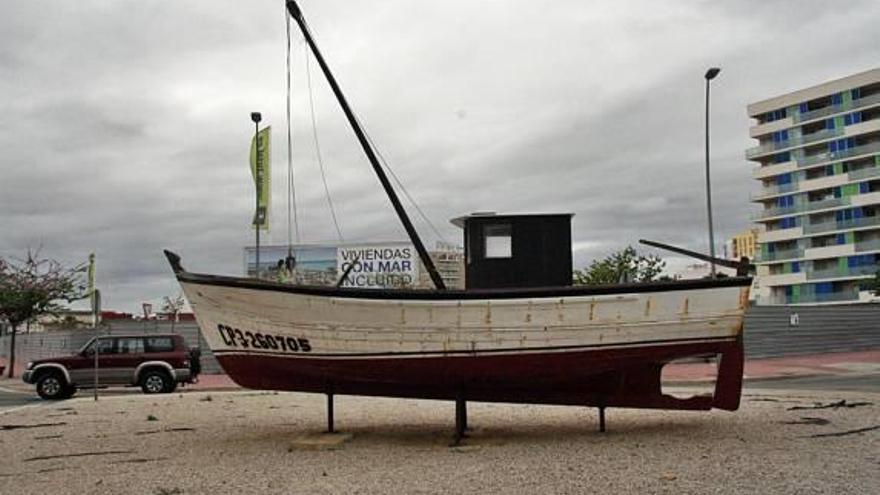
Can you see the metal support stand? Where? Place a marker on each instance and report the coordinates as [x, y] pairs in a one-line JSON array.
[[464, 420], [330, 413], [460, 418], [601, 419]]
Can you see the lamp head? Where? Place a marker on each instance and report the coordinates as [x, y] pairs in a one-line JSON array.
[[712, 72]]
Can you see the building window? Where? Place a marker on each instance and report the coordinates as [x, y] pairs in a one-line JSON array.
[[498, 241], [852, 118], [775, 115]]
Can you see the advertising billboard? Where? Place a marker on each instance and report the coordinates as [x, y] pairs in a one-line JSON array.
[[378, 266], [374, 265]]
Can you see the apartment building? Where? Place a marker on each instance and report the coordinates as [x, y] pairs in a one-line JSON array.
[[742, 244], [818, 163]]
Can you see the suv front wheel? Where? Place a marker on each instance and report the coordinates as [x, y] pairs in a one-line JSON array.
[[53, 386], [155, 382]]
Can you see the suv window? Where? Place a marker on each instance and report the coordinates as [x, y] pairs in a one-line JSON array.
[[130, 345], [105, 346], [159, 344]]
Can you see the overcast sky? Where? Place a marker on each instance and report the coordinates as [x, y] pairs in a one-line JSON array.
[[124, 125]]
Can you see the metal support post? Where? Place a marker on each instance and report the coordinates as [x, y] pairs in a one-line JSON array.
[[330, 428], [460, 417]]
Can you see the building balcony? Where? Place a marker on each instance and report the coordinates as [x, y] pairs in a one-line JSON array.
[[842, 225], [830, 297], [777, 256], [796, 209], [780, 235], [769, 148], [774, 169], [868, 101], [866, 149], [781, 279], [864, 246], [830, 251], [865, 173], [843, 272], [765, 128], [770, 191], [815, 184], [811, 184]]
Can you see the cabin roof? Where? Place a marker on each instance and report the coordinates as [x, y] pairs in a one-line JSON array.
[[459, 221]]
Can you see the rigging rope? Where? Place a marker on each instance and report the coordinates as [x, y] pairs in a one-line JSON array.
[[385, 163], [291, 192], [318, 148], [400, 184]]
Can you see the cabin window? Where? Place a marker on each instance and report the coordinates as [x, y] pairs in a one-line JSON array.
[[498, 241]]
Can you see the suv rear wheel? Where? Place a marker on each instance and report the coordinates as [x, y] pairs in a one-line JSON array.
[[52, 386], [155, 382]]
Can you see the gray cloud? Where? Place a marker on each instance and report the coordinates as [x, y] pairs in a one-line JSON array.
[[124, 125]]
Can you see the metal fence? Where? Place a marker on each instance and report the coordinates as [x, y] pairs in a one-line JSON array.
[[773, 331]]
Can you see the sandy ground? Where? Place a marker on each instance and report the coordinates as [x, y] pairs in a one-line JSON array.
[[248, 442]]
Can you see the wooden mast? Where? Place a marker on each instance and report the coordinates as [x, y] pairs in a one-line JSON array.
[[296, 14]]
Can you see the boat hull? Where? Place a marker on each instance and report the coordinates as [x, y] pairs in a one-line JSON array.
[[612, 377], [603, 347]]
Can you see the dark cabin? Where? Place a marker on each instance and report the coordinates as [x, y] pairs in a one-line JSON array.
[[508, 251]]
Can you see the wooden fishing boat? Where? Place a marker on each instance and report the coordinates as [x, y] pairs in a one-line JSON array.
[[602, 346], [599, 346]]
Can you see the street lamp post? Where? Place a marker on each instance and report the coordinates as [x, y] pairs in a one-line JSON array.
[[256, 118], [710, 74]]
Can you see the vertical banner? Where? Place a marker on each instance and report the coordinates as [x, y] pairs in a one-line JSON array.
[[261, 170], [91, 281]]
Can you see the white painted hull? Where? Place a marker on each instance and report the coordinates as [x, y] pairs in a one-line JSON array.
[[354, 327]]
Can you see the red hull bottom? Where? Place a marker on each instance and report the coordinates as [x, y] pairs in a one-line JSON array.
[[602, 378]]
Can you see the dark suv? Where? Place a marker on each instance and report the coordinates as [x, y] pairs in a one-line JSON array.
[[156, 362]]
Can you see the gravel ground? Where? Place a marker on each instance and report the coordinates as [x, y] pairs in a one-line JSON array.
[[245, 442]]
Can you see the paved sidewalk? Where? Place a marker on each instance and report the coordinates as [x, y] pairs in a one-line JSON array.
[[783, 367], [755, 369]]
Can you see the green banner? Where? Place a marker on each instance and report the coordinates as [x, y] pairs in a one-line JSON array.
[[91, 277], [261, 169]]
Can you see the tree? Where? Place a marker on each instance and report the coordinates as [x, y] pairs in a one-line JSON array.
[[622, 266], [33, 287], [173, 306]]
